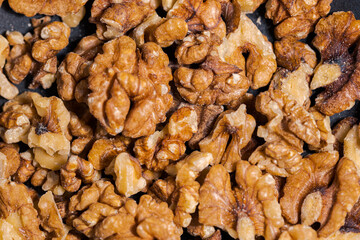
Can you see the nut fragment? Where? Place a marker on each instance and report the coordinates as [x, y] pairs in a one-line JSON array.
[[298, 232], [74, 19], [9, 160]]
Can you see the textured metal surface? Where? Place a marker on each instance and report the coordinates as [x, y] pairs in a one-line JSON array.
[[10, 21]]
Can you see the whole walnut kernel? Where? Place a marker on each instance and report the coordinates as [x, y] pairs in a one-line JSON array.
[[250, 209], [129, 87], [157, 150], [295, 18], [114, 18], [235, 124], [338, 70]]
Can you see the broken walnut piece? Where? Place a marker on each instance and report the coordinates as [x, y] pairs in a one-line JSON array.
[[250, 209], [298, 232], [338, 70], [113, 18], [127, 173], [9, 160], [316, 172], [129, 89], [341, 129], [295, 18], [74, 19], [25, 169], [157, 150], [162, 189], [4, 51], [235, 124], [59, 7], [352, 146], [250, 6]]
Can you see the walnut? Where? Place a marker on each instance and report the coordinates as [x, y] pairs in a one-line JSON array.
[[44, 74], [327, 139], [74, 19], [206, 116], [50, 217], [59, 7], [147, 220], [169, 31], [25, 169], [83, 133], [17, 210], [114, 18], [352, 146], [119, 77], [235, 124], [340, 131], [157, 150], [298, 232], [205, 232], [250, 6], [4, 50], [51, 182], [162, 189], [54, 37], [295, 18], [75, 171], [75, 67], [105, 150], [316, 172], [9, 160], [127, 173], [337, 72], [186, 194], [250, 209]]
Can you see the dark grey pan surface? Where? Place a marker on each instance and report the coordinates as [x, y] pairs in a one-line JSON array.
[[11, 21]]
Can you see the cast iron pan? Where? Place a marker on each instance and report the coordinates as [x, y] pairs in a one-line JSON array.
[[11, 21]]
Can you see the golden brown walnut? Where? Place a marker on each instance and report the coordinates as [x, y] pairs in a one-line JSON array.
[[205, 232], [26, 169], [157, 150], [75, 67], [48, 7], [127, 173], [206, 116], [162, 189], [82, 133], [236, 126], [288, 121], [75, 171], [147, 220], [50, 217], [352, 146], [338, 70], [185, 197], [44, 74], [316, 172], [74, 19], [250, 209], [327, 139], [17, 210], [341, 129], [298, 232], [114, 18], [129, 87], [296, 18], [53, 38], [105, 150], [9, 160], [4, 50], [169, 31], [250, 6]]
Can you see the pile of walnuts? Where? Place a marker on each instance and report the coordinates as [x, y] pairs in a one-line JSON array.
[[154, 134]]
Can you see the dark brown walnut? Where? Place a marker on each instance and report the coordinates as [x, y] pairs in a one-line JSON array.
[[338, 71], [352, 221], [296, 18], [250, 209], [162, 189], [48, 7], [9, 160], [75, 68], [316, 172], [157, 150], [17, 210], [232, 132], [114, 18]]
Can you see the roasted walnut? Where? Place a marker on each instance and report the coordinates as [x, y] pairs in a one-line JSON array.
[[235, 125], [338, 70], [157, 150], [129, 89], [250, 209]]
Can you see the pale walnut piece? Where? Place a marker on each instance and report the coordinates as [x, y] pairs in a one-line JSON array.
[[352, 146], [250, 209], [74, 19], [48, 7], [236, 126], [185, 197], [338, 71], [17, 210], [4, 50], [316, 171], [127, 173], [341, 129], [250, 6], [129, 87], [299, 232], [157, 150], [9, 160], [114, 18], [296, 18]]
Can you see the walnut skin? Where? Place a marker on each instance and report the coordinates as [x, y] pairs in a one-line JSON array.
[[120, 76], [237, 124], [158, 149], [114, 18], [338, 70], [295, 18], [251, 209], [58, 7]]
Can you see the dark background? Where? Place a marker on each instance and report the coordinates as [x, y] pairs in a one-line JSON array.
[[11, 21]]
